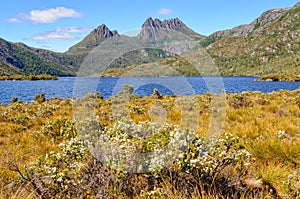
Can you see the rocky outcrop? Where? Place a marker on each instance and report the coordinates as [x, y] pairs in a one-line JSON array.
[[103, 32], [244, 30], [93, 39], [6, 54], [152, 27]]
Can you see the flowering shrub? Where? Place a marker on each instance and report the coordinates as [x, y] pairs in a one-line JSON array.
[[214, 154], [58, 172], [128, 155], [293, 184], [59, 129], [141, 147]]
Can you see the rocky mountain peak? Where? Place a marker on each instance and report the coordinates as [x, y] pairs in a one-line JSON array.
[[174, 24], [104, 32], [152, 26], [297, 5], [95, 37], [246, 29], [268, 16]]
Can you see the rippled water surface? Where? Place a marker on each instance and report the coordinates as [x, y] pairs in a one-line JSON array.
[[143, 86]]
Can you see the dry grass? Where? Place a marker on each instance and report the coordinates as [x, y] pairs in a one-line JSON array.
[[257, 119]]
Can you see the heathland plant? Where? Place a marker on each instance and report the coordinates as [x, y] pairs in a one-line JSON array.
[[44, 151]]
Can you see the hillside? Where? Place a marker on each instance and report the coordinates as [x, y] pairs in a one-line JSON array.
[[93, 39], [268, 45], [17, 58]]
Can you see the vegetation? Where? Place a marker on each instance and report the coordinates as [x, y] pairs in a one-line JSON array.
[[45, 151], [172, 66], [280, 77], [137, 57], [269, 49], [29, 77]]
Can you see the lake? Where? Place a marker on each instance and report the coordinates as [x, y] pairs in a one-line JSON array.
[[66, 87]]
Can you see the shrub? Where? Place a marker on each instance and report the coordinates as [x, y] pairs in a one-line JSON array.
[[14, 99], [59, 129], [239, 100], [297, 100], [203, 165], [40, 98], [293, 185]]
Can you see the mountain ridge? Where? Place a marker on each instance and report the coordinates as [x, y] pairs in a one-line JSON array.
[[152, 26], [257, 42], [94, 38]]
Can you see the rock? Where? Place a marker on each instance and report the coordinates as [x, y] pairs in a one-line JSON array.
[[104, 32], [254, 183], [246, 29], [156, 94], [95, 37], [152, 27]]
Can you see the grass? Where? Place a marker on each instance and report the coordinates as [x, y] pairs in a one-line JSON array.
[[29, 77], [266, 124], [280, 77]]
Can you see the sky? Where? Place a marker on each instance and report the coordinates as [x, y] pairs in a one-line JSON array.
[[58, 24]]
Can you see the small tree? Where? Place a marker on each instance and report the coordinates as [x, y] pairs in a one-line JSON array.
[[40, 98]]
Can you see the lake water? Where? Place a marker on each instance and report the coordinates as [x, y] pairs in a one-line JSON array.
[[66, 87]]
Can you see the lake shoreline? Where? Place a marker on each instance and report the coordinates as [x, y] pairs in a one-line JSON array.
[[28, 77], [66, 87]]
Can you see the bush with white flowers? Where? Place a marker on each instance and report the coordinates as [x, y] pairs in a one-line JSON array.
[[148, 149], [58, 171]]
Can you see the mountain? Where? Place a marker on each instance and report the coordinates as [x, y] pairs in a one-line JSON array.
[[151, 27], [17, 58], [94, 39], [270, 44]]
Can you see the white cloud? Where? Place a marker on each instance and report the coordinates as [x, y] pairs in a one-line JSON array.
[[60, 34], [75, 29], [164, 11], [46, 16], [14, 20], [52, 36]]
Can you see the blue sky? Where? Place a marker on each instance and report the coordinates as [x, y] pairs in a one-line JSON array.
[[58, 24]]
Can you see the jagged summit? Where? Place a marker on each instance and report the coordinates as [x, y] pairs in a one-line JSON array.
[[269, 43], [95, 37], [151, 27], [296, 5], [172, 24], [264, 19], [104, 32]]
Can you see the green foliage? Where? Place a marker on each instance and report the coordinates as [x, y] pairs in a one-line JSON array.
[[292, 185], [256, 26], [270, 49], [297, 100], [93, 159], [29, 77], [207, 41], [280, 77], [60, 169], [40, 98], [14, 99], [59, 129], [62, 172], [239, 100], [137, 57]]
